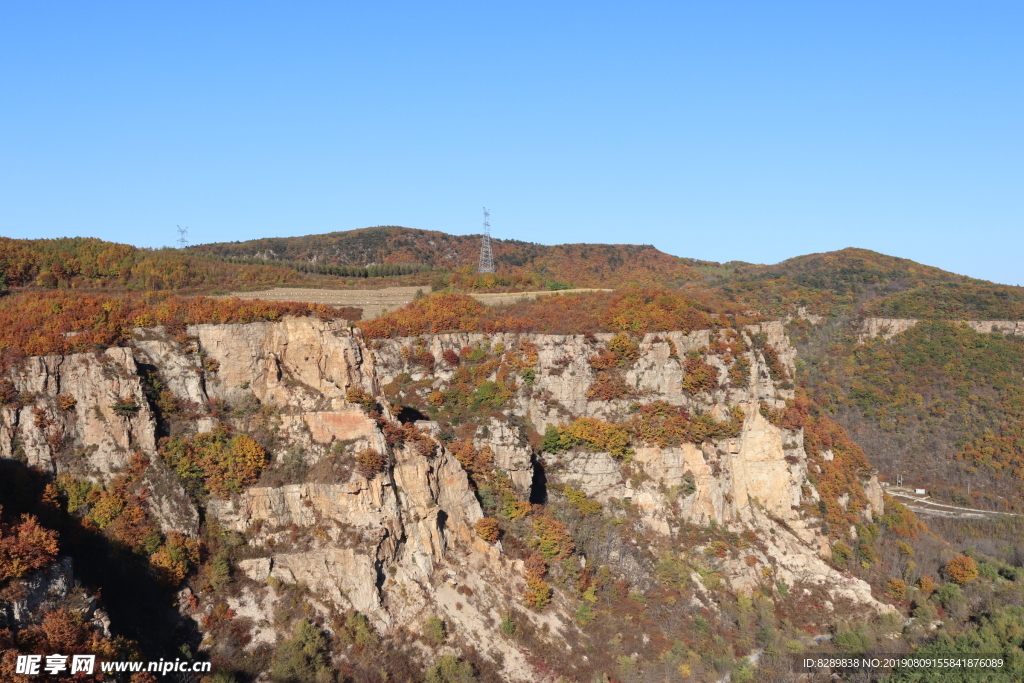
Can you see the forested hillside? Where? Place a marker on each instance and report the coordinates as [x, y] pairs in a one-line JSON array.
[[858, 281], [848, 281], [581, 265], [939, 403], [88, 263]]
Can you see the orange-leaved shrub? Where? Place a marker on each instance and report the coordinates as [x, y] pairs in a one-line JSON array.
[[698, 374], [436, 313], [362, 398], [175, 558], [621, 352], [538, 591], [25, 546], [58, 631], [550, 538], [479, 462], [608, 386], [664, 424], [598, 435], [961, 569], [420, 440], [487, 528], [218, 462], [897, 588], [370, 462]]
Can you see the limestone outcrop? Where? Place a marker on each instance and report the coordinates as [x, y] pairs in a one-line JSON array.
[[401, 545], [887, 328]]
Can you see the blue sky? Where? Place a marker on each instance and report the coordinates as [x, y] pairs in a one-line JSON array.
[[751, 131]]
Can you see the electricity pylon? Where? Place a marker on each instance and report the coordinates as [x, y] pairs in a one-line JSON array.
[[486, 257]]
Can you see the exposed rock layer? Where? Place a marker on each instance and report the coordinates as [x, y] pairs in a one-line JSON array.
[[402, 545], [888, 328]]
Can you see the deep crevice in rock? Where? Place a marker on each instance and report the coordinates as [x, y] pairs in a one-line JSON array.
[[539, 485]]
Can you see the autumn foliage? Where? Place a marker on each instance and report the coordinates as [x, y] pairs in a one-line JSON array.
[[219, 461], [370, 462], [487, 528], [476, 461], [636, 311], [961, 569], [438, 313], [698, 375], [621, 352], [37, 324], [25, 546], [839, 475], [550, 538], [174, 560], [592, 434], [59, 631], [609, 386], [659, 423], [519, 263], [82, 262], [664, 424], [119, 512]]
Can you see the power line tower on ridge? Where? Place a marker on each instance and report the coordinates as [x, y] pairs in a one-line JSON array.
[[182, 237], [486, 257]]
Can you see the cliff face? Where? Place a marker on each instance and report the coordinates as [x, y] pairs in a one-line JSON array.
[[401, 545], [888, 328], [757, 480]]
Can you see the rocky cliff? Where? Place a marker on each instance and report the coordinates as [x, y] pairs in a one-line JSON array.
[[888, 328], [401, 544]]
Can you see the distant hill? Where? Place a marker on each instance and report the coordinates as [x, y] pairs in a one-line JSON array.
[[90, 263], [850, 281], [93, 264], [859, 281], [582, 265]]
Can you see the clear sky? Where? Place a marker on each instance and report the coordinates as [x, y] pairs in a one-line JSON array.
[[718, 130]]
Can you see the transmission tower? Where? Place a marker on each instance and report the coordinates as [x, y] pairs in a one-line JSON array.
[[486, 257], [182, 237]]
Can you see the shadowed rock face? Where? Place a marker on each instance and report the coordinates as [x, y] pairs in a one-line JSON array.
[[401, 546]]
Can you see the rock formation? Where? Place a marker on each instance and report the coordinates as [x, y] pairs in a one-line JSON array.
[[401, 545], [888, 328]]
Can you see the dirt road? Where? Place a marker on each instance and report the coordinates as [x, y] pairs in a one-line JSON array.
[[922, 504]]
